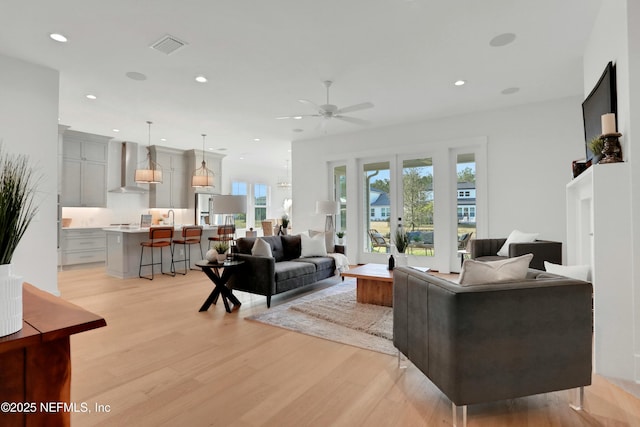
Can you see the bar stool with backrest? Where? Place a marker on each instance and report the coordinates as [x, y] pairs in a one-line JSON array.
[[191, 235], [225, 234], [160, 237]]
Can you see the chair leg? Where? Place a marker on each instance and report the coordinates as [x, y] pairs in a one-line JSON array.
[[455, 409], [172, 268], [201, 256], [578, 399]]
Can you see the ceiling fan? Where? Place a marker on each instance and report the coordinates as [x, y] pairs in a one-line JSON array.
[[331, 111]]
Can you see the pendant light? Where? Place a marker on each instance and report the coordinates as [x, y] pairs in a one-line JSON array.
[[148, 171], [203, 176], [285, 183]]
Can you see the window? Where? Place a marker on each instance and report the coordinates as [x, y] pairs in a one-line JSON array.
[[239, 188], [260, 203], [466, 171]]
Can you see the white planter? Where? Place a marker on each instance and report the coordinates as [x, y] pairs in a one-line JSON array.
[[10, 301], [221, 257], [402, 260]]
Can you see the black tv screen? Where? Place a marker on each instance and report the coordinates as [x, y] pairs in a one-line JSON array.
[[601, 100]]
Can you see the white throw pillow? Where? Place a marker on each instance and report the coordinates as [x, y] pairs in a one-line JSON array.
[[328, 238], [578, 272], [261, 248], [313, 246], [516, 237], [480, 273]]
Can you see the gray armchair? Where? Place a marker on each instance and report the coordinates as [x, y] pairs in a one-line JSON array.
[[542, 250]]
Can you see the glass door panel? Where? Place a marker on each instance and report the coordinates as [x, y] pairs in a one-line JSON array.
[[417, 205], [340, 194], [466, 199], [377, 207]]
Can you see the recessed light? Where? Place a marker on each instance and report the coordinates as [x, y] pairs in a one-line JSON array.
[[297, 130], [222, 149], [58, 37], [201, 79], [241, 158], [163, 139], [510, 90], [116, 130], [502, 39], [91, 96], [297, 118], [459, 82], [256, 139], [134, 75]]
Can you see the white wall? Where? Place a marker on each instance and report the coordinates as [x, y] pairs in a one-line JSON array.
[[29, 125], [616, 37], [530, 149]]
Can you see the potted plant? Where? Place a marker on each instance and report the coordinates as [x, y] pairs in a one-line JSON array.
[[17, 210], [401, 241], [596, 145], [221, 249], [285, 224], [340, 235]]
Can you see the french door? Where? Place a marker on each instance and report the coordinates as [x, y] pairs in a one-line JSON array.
[[398, 198]]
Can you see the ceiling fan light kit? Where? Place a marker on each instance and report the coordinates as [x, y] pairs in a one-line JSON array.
[[331, 111]]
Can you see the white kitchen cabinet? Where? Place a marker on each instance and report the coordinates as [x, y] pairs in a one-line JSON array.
[[83, 245], [174, 190], [84, 169]]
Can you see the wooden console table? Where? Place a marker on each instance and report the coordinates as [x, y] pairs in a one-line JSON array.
[[35, 362]]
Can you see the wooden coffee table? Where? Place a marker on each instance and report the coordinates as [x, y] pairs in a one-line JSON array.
[[374, 284]]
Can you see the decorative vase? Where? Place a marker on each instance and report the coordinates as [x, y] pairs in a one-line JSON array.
[[402, 260], [10, 301], [339, 240], [221, 257], [211, 255]]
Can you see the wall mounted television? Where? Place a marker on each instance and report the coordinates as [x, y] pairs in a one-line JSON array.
[[601, 100]]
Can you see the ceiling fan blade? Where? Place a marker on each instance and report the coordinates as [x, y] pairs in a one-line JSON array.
[[357, 107], [298, 117], [353, 120], [311, 104]]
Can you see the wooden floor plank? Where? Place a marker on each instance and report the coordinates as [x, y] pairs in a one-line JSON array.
[[161, 362]]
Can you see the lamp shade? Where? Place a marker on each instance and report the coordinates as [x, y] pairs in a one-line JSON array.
[[327, 207], [148, 176], [228, 204]]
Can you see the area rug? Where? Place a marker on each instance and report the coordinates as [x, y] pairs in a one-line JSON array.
[[334, 314]]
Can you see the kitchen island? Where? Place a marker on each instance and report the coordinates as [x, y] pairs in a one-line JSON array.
[[123, 250]]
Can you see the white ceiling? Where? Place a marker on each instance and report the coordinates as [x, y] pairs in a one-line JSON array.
[[262, 56]]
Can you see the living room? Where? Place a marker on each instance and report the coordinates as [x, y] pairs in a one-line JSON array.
[[523, 153]]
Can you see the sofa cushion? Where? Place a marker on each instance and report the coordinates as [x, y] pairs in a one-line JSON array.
[[478, 272], [291, 246], [261, 248], [516, 236], [313, 246], [290, 269], [579, 272], [245, 244], [328, 238], [320, 263]]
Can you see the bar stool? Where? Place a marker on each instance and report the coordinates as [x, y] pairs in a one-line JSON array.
[[160, 237], [191, 235], [225, 234]]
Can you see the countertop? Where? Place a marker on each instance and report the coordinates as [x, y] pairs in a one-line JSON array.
[[134, 229]]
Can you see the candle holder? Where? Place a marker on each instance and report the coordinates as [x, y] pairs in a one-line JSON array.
[[612, 150]]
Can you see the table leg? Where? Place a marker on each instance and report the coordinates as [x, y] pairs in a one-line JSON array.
[[220, 289]]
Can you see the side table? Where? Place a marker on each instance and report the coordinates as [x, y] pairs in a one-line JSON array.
[[212, 270]]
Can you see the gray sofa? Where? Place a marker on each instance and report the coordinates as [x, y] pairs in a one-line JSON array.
[[498, 341], [283, 272], [542, 250]]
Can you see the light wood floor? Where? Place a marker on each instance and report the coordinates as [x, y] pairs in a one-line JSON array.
[[161, 362]]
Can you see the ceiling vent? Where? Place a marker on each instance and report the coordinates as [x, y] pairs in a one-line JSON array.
[[168, 44]]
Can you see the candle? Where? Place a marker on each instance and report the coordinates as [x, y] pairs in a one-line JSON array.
[[608, 123]]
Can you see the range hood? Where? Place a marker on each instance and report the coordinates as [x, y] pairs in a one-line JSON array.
[[128, 162]]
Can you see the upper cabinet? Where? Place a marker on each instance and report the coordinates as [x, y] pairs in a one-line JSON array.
[[84, 169], [173, 192]]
